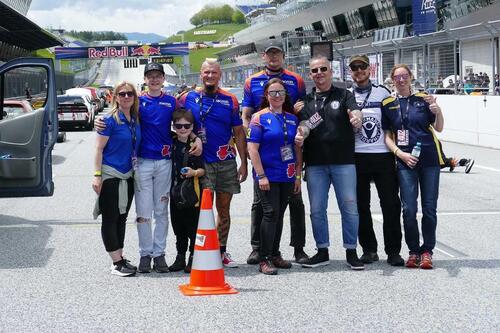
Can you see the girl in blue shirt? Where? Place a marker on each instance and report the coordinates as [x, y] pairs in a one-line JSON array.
[[277, 166], [115, 161]]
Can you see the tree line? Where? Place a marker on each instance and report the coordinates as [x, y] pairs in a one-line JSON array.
[[90, 36], [217, 15]]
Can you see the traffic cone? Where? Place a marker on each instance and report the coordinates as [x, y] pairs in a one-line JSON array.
[[207, 274]]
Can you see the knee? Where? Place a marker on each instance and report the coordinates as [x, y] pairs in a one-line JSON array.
[[142, 220], [350, 206]]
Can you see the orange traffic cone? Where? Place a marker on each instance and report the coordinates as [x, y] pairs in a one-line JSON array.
[[207, 274]]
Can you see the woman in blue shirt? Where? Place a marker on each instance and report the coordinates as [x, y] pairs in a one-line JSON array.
[[115, 162], [409, 120], [277, 166]]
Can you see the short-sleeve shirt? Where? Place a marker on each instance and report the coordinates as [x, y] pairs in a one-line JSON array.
[[156, 118], [119, 149], [254, 87], [413, 114], [268, 130], [216, 114]]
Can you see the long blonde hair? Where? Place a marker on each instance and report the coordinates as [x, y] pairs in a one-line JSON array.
[[134, 109]]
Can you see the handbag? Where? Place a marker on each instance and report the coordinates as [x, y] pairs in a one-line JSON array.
[[184, 194]]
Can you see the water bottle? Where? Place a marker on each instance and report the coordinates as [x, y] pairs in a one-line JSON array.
[[5, 156], [416, 150]]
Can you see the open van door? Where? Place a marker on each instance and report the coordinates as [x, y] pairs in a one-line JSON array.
[[26, 141]]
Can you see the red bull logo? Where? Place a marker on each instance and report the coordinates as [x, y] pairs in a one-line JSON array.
[[225, 152], [165, 151], [145, 51], [107, 52], [290, 171]]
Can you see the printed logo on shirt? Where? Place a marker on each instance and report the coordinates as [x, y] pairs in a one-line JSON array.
[[165, 151], [166, 104], [335, 105], [248, 132], [291, 122], [261, 83], [225, 152], [222, 101], [290, 170], [269, 121], [288, 82], [371, 130], [197, 99], [314, 121]]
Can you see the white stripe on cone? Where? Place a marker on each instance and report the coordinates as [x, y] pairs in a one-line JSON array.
[[206, 220], [207, 260]]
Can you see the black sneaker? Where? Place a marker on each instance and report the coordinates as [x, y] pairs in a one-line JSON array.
[[353, 260], [159, 264], [300, 256], [129, 264], [179, 263], [469, 165], [187, 269], [253, 258], [369, 257], [319, 259], [395, 260], [120, 269], [145, 265]]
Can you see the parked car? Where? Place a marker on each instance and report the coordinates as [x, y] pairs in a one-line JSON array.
[[75, 111], [15, 108], [85, 92]]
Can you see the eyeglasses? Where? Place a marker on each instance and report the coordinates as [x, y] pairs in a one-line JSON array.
[[401, 77], [126, 94], [276, 93], [360, 66], [319, 69], [186, 126]]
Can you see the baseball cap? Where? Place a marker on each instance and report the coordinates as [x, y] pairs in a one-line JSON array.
[[154, 66], [273, 44], [359, 57]]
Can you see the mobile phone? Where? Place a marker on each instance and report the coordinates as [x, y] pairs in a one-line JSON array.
[[184, 170]]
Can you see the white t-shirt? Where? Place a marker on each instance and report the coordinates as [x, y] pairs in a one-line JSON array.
[[370, 137]]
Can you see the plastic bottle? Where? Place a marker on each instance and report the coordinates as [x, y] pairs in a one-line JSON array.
[[416, 150]]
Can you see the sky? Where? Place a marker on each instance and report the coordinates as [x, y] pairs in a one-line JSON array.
[[163, 17]]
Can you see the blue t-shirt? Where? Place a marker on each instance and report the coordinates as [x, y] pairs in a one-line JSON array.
[[417, 119], [218, 115], [119, 149], [254, 88], [268, 130], [156, 118]]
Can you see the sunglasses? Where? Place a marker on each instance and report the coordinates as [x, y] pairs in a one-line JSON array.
[[356, 67], [276, 93], [186, 126], [126, 94], [401, 77], [319, 69]]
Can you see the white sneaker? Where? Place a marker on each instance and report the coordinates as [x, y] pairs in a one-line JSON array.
[[227, 261], [469, 165]]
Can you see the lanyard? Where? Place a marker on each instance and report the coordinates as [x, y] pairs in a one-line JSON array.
[[285, 130], [404, 115], [316, 103], [365, 101], [131, 128], [203, 115]]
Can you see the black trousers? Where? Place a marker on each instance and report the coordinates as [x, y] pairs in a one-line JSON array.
[[381, 169], [273, 203], [184, 223], [113, 223], [297, 219]]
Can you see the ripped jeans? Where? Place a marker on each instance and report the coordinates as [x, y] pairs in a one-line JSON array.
[[343, 179], [152, 200]]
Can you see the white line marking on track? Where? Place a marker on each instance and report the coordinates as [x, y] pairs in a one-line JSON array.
[[486, 168]]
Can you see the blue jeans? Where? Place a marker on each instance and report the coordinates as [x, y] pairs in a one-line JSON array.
[[409, 181], [154, 177], [343, 179]]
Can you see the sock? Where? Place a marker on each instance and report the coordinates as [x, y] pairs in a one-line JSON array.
[[223, 249]]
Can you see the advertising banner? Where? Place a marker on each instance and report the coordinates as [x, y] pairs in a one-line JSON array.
[[122, 51], [424, 16]]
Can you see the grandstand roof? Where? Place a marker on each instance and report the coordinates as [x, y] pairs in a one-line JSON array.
[[245, 9]]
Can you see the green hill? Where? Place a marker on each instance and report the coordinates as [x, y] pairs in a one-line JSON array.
[[223, 31]]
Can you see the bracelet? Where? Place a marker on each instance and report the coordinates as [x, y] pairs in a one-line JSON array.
[[262, 176], [98, 173], [395, 152], [298, 177]]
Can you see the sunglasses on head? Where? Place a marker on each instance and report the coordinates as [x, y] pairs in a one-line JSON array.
[[276, 93], [319, 69], [401, 77], [186, 126], [126, 94], [360, 66]]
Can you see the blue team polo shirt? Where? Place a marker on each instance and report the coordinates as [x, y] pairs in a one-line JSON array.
[[156, 118], [267, 130], [254, 88], [417, 119], [218, 114], [118, 150]]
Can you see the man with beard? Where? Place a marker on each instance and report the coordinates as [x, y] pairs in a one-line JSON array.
[[217, 120], [374, 162], [273, 57]]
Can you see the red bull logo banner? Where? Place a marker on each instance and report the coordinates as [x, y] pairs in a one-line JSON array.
[[122, 51]]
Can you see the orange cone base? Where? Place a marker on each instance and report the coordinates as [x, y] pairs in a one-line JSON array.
[[189, 290]]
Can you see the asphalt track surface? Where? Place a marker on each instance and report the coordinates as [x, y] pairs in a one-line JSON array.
[[55, 275]]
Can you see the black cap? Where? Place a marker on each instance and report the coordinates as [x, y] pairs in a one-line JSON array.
[[154, 66], [273, 44]]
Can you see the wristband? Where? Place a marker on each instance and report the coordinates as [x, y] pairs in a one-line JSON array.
[[395, 152], [262, 176], [298, 177], [98, 173]]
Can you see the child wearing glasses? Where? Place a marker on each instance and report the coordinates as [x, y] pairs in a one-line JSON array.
[[184, 165]]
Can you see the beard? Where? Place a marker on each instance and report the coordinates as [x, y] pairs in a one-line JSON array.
[[210, 89]]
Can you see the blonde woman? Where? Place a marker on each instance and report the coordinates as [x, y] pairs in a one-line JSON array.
[[115, 162]]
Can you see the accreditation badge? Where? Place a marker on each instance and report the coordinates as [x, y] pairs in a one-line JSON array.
[[286, 153], [403, 137], [202, 134]]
